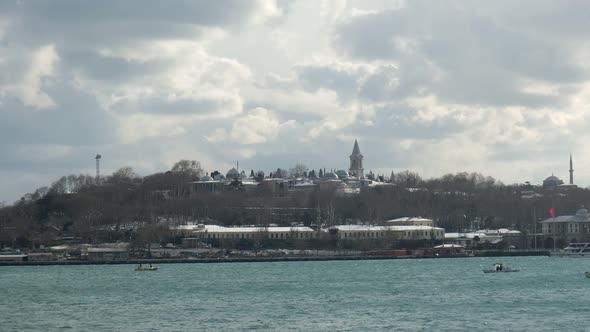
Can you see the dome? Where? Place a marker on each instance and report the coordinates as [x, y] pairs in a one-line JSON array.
[[206, 178], [582, 212], [232, 173], [330, 176], [552, 181], [342, 174]]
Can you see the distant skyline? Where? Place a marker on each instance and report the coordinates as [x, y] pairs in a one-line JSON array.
[[500, 88]]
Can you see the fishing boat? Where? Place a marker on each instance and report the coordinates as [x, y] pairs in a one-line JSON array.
[[499, 268]]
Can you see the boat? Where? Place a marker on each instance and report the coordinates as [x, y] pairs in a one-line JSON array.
[[499, 268], [581, 249], [147, 268], [587, 274]]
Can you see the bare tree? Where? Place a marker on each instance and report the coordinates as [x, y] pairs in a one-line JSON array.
[[298, 170], [184, 172], [190, 168]]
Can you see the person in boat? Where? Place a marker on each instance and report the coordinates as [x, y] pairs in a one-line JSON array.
[[139, 267], [150, 265]]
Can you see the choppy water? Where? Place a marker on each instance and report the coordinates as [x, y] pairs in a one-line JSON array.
[[549, 294]]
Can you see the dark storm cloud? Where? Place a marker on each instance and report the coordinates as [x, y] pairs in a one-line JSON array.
[[133, 19]]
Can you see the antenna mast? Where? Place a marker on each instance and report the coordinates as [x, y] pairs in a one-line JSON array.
[[97, 167]]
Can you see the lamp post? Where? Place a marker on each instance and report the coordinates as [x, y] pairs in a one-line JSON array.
[[535, 223]]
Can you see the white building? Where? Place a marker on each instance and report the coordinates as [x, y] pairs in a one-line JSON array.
[[411, 221], [204, 232], [492, 236], [360, 232]]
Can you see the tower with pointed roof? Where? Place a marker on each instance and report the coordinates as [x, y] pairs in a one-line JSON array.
[[571, 170], [356, 162]]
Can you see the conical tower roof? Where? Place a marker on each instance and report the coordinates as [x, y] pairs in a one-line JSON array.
[[355, 150]]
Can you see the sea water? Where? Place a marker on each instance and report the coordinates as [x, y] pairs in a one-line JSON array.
[[548, 294]]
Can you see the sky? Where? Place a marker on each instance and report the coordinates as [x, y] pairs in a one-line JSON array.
[[496, 87]]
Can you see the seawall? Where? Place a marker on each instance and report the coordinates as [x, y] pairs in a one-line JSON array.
[[264, 259]]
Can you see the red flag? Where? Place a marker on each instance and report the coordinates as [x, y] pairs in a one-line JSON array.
[[552, 212]]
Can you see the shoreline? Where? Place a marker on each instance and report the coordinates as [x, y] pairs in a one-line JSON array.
[[259, 259]]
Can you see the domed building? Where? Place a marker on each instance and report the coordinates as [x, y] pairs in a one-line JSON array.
[[330, 176], [206, 178], [342, 174], [206, 184], [232, 173], [552, 182]]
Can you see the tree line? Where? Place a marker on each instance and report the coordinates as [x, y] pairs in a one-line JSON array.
[[127, 207]]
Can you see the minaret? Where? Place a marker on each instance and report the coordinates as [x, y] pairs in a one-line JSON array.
[[571, 170], [356, 162]]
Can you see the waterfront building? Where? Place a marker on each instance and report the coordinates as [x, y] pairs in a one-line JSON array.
[[449, 249], [574, 228], [364, 232], [492, 236], [108, 251], [12, 255], [411, 221], [205, 232], [40, 257]]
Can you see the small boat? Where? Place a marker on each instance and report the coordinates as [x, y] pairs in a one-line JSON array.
[[147, 268], [499, 268], [587, 274], [506, 269]]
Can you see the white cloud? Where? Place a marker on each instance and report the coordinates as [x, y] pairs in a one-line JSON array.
[[257, 126], [432, 87], [30, 89]]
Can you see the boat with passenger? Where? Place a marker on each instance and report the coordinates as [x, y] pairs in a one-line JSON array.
[[499, 268], [581, 249]]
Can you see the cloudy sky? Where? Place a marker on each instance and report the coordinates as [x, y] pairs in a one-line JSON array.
[[496, 87]]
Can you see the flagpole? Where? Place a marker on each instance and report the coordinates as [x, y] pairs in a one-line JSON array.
[[535, 224], [555, 228], [552, 213]]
